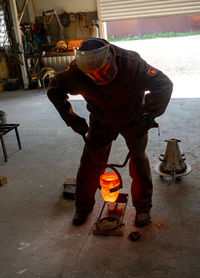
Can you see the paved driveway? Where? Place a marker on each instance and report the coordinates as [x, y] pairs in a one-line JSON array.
[[178, 57]]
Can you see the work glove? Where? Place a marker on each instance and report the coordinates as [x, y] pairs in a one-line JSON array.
[[79, 125], [144, 122]]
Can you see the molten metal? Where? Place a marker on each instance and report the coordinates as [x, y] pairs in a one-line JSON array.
[[108, 182]]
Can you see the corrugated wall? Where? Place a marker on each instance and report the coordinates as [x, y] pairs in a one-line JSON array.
[[112, 10], [153, 25]]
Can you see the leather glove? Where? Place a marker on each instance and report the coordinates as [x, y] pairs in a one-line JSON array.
[[79, 125], [144, 122]]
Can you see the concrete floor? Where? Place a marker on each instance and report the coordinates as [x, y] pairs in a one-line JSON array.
[[36, 235]]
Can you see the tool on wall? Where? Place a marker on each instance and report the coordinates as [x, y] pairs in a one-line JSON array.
[[65, 20], [54, 13], [72, 17], [82, 23], [83, 19]]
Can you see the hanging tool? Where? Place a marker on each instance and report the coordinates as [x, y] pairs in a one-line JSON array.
[[53, 12]]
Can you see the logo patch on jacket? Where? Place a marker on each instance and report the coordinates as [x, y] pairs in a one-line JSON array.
[[151, 71]]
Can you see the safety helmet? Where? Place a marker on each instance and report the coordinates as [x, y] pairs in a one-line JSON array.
[[95, 59]]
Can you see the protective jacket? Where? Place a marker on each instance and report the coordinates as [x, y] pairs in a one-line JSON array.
[[137, 88]]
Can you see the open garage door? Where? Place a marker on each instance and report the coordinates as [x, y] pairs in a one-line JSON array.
[[112, 10]]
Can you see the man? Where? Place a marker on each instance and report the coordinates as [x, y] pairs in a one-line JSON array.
[[124, 95]]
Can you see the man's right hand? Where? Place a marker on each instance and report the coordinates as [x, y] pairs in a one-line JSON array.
[[79, 125]]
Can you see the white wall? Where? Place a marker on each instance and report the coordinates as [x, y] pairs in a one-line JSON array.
[[64, 5]]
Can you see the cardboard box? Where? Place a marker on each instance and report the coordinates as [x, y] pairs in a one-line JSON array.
[[4, 73], [73, 43], [1, 86]]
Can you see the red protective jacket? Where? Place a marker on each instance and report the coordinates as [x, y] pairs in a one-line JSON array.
[[121, 101]]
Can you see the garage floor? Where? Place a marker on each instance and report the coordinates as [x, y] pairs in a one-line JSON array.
[[37, 238]]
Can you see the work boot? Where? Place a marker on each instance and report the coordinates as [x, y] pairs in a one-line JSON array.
[[80, 217], [142, 218]]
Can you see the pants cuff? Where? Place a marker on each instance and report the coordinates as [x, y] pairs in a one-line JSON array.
[[143, 208]]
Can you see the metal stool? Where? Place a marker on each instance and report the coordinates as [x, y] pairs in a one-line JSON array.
[[5, 128]]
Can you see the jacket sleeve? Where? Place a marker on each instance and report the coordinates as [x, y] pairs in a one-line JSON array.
[[158, 89], [57, 93]]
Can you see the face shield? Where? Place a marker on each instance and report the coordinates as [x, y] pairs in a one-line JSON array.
[[98, 64]]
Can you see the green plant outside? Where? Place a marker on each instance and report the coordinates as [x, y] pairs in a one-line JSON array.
[[153, 36]]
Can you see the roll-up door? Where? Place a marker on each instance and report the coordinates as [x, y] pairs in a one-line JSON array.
[[113, 10]]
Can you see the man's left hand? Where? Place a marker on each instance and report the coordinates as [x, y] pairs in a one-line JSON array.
[[144, 122]]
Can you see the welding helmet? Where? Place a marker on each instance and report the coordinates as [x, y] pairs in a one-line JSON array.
[[95, 58]]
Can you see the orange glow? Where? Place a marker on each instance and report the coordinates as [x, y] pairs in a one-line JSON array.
[[107, 182]]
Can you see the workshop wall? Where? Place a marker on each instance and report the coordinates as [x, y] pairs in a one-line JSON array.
[[82, 13], [78, 27], [61, 6], [47, 30]]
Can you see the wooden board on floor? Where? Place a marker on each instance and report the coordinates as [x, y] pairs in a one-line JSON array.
[[3, 180], [69, 188]]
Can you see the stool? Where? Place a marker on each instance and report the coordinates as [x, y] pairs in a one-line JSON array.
[[5, 128]]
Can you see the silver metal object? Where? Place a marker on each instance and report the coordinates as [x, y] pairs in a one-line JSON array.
[[172, 162], [58, 61]]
